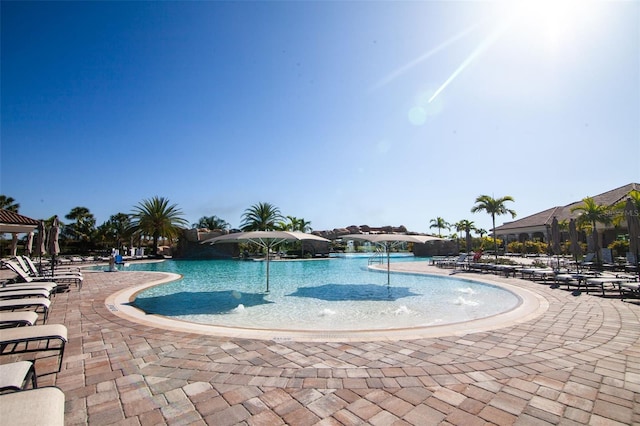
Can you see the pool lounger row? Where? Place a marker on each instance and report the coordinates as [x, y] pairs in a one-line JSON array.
[[50, 337], [18, 319], [29, 302]]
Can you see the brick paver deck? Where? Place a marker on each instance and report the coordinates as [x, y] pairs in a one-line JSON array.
[[577, 363]]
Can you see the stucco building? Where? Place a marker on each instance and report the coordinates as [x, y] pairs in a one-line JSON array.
[[537, 226]]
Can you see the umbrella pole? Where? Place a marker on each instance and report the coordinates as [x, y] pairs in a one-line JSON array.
[[388, 267], [267, 291]]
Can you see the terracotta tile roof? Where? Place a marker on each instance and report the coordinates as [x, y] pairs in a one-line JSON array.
[[545, 217], [12, 218]]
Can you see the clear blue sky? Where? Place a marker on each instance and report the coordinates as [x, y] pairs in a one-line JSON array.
[[342, 113]]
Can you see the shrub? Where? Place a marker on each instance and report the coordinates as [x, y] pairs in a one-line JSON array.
[[619, 248]]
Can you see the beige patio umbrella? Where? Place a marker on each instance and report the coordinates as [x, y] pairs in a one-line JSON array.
[[555, 239], [596, 245], [388, 241], [41, 248], [54, 246], [575, 243], [265, 239], [633, 226], [14, 244], [28, 248]]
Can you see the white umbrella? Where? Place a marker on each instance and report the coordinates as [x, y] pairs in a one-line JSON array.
[[575, 244], [633, 227], [14, 244], [390, 240], [29, 245], [555, 239], [265, 239], [54, 246]]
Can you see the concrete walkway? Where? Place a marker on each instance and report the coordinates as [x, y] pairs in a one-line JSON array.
[[576, 363]]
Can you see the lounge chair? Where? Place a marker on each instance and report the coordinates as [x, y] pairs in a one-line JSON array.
[[15, 376], [33, 270], [19, 294], [29, 302], [50, 287], [16, 340], [24, 276], [17, 319], [602, 281], [42, 406]]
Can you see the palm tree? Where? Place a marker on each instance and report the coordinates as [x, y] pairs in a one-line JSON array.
[[439, 223], [156, 217], [116, 230], [590, 214], [84, 225], [261, 217], [493, 206], [211, 223], [619, 208], [295, 224], [467, 226], [8, 203]]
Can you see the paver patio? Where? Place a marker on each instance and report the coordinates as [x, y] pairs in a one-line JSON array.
[[577, 363]]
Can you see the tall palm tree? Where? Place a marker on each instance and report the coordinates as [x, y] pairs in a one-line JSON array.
[[8, 203], [439, 223], [84, 225], [157, 218], [211, 223], [494, 207], [467, 226], [592, 213], [261, 217]]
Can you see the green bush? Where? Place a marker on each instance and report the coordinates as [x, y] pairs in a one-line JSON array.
[[619, 248], [530, 247]]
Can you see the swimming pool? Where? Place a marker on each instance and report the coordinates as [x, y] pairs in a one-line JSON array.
[[320, 295]]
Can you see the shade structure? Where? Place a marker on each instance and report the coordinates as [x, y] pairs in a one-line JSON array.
[[265, 239], [576, 251], [14, 244], [14, 223], [41, 248], [633, 226], [29, 246], [596, 245], [555, 238], [54, 247], [390, 240]]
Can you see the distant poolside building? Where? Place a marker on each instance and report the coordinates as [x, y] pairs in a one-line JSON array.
[[537, 226]]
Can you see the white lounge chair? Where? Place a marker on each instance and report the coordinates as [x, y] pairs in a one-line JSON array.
[[16, 340], [17, 319], [50, 287], [29, 302], [61, 281], [33, 270], [15, 376], [19, 294], [34, 407]]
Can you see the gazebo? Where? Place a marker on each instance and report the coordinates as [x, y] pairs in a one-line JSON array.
[[14, 224]]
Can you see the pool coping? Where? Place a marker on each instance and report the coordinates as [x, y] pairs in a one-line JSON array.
[[531, 306]]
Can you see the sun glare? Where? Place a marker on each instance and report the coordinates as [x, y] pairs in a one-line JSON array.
[[553, 23]]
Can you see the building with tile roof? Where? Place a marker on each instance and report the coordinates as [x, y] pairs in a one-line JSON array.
[[14, 223], [537, 226]]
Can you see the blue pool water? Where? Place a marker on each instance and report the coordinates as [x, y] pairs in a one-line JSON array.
[[331, 294]]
